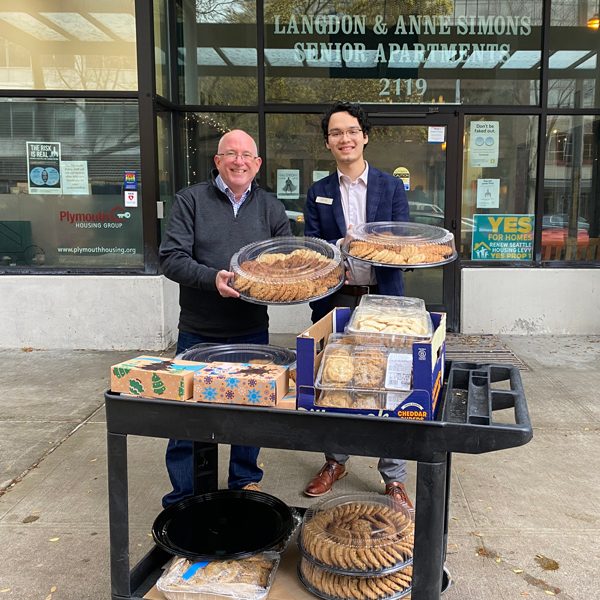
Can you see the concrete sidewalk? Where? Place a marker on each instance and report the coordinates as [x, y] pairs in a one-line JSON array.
[[524, 522]]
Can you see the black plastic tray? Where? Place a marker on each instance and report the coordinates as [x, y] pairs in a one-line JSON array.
[[223, 525]]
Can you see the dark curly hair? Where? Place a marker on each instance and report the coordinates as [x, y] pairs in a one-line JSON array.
[[354, 110]]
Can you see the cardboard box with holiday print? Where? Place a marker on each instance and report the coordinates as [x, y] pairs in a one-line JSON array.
[[153, 377], [232, 383]]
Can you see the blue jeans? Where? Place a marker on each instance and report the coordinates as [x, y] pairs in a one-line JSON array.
[[180, 461]]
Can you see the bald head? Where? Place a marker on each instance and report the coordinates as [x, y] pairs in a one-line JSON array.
[[240, 136], [241, 166]]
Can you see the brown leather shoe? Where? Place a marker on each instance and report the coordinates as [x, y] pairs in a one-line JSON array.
[[396, 490], [321, 483]]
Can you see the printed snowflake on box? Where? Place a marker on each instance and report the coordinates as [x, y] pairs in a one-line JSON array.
[[232, 383], [253, 396], [208, 380], [210, 393], [252, 382], [230, 394]]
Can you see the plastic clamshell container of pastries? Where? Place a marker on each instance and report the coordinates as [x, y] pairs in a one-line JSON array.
[[350, 364], [287, 270], [393, 320], [333, 586], [238, 579], [362, 534], [400, 244]]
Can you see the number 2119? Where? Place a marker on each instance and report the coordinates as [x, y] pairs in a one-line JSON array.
[[418, 86]]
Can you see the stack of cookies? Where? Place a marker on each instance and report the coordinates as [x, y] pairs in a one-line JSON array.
[[352, 374], [284, 271], [357, 546]]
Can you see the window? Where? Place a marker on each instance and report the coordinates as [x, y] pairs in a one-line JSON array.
[[62, 185], [499, 182], [217, 52], [161, 48], [464, 52], [573, 64], [69, 45], [570, 226]]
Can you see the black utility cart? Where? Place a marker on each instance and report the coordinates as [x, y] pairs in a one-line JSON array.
[[465, 424]]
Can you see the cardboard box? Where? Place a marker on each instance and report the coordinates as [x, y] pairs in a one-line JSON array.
[[428, 370], [154, 377], [232, 383]]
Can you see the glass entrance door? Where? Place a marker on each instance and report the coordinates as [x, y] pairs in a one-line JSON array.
[[416, 151]]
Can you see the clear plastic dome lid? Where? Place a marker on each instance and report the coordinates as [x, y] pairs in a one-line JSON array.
[[358, 533], [287, 270], [390, 243], [262, 354]]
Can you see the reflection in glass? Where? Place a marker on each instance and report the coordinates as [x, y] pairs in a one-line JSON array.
[[161, 48], [217, 52], [200, 139], [574, 45], [462, 52], [405, 152], [166, 167], [570, 226], [84, 223], [75, 45], [296, 142], [502, 182]]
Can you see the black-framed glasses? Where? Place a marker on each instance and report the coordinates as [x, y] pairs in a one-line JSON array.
[[246, 156], [336, 135]]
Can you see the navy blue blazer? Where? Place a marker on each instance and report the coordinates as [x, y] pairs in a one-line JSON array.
[[386, 201]]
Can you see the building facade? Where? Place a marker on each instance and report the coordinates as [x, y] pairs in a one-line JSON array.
[[488, 110]]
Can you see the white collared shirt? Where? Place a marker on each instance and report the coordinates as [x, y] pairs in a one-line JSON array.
[[354, 204], [223, 187]]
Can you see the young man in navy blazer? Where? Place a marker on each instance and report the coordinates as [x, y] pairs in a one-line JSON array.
[[356, 193]]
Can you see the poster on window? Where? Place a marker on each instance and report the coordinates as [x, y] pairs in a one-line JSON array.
[[43, 168], [502, 237], [484, 144], [288, 184], [488, 193]]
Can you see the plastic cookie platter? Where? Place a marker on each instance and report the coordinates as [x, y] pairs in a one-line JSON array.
[[400, 245], [287, 270], [302, 575]]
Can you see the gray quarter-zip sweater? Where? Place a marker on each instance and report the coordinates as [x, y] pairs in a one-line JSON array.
[[201, 237]]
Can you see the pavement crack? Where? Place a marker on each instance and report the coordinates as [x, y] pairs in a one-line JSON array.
[[9, 485]]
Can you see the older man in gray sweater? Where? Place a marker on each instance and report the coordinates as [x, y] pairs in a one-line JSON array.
[[209, 222]]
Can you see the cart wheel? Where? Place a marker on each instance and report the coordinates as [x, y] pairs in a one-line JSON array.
[[446, 580]]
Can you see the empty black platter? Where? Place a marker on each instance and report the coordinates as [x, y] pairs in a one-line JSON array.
[[221, 525]]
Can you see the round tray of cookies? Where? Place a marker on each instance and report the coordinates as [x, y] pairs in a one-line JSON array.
[[363, 535], [287, 270], [399, 244], [333, 586]]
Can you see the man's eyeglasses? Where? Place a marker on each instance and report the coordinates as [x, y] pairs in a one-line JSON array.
[[246, 156], [336, 135]]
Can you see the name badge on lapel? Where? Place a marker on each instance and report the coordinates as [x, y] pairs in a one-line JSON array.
[[323, 200]]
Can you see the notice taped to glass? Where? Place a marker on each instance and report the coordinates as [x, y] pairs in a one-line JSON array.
[[43, 168]]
